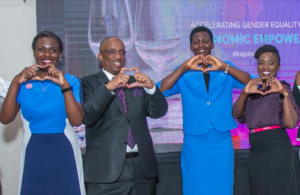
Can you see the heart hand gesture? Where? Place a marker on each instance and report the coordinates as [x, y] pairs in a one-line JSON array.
[[141, 80], [275, 86], [119, 81], [193, 63]]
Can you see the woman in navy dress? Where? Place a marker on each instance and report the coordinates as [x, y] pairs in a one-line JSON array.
[[50, 105], [268, 107]]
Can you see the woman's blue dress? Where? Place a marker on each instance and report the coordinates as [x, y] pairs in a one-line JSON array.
[[51, 161]]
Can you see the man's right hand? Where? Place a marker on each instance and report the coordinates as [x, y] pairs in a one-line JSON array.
[[118, 81]]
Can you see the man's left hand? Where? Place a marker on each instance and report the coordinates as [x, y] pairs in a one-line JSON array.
[[141, 80]]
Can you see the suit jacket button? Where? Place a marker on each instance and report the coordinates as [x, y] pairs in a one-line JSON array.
[[129, 121]]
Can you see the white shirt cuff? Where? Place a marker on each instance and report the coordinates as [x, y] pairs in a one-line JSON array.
[[150, 91], [298, 86]]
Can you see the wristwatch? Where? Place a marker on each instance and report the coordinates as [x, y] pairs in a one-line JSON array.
[[283, 95]]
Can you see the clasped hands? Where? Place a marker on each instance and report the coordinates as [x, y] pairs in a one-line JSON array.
[[274, 85], [31, 73], [141, 80], [216, 64]]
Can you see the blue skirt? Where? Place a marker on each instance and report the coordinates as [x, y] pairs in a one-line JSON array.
[[49, 166], [207, 163]]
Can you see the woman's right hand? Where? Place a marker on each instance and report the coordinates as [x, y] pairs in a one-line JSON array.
[[10, 106], [193, 63], [252, 87], [28, 73]]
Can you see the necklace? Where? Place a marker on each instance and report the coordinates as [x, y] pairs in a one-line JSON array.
[[44, 88]]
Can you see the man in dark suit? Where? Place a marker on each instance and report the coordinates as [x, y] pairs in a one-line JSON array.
[[119, 157]]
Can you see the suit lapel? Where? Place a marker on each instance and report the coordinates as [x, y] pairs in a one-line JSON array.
[[102, 78], [217, 83]]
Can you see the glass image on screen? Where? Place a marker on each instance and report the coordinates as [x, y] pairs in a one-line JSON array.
[[157, 40], [109, 18]]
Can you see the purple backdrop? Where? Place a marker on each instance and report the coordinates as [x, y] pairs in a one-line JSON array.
[[156, 35]]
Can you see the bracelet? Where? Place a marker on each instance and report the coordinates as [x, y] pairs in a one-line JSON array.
[[226, 70], [67, 89]]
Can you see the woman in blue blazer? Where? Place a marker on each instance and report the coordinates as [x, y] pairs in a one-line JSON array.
[[205, 84]]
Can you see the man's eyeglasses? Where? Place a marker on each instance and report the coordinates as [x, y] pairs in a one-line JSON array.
[[113, 52]]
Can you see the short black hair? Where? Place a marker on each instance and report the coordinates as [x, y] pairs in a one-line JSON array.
[[267, 48], [199, 29], [47, 34]]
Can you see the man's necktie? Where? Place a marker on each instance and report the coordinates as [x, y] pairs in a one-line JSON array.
[[121, 93]]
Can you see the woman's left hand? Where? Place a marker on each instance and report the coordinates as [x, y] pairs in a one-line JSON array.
[[215, 62], [275, 86], [56, 76]]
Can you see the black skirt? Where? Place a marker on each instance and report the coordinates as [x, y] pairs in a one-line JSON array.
[[272, 163]]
